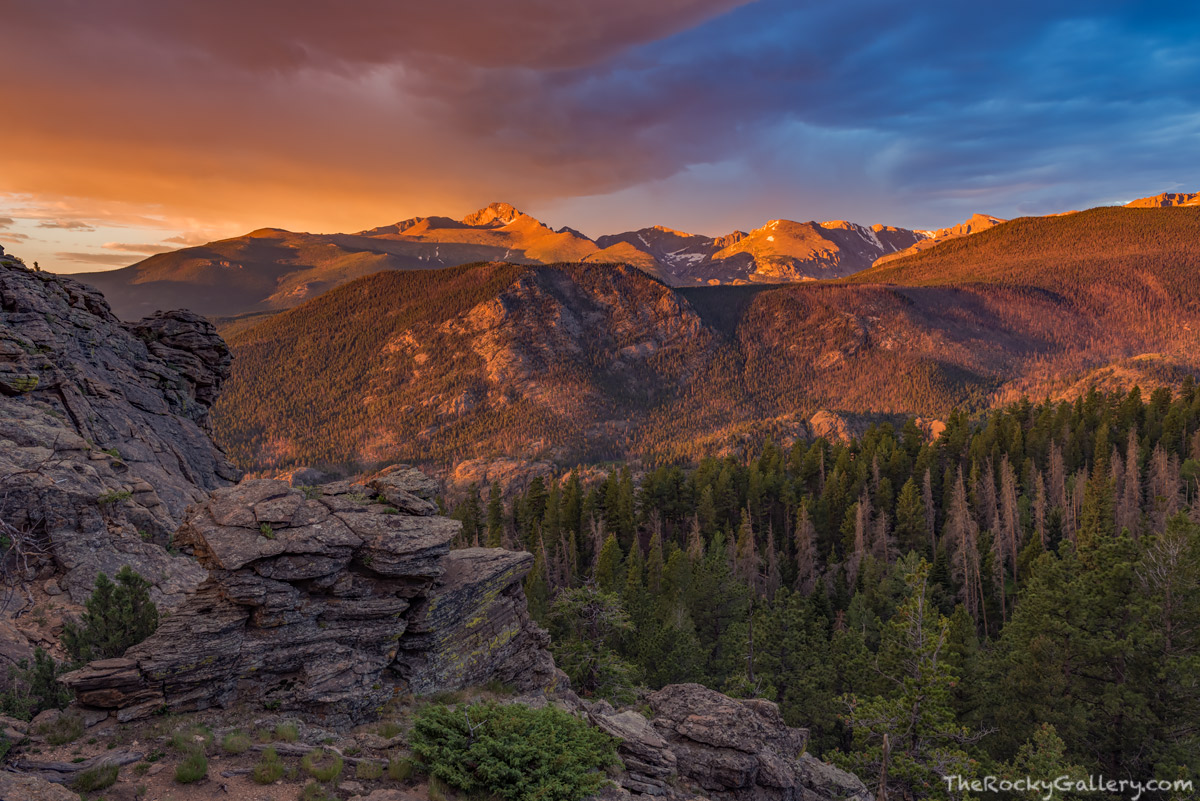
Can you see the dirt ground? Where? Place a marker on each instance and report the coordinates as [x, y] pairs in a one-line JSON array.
[[161, 744]]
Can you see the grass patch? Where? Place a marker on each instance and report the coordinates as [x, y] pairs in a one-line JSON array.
[[446, 698], [269, 769], [322, 765], [193, 768], [401, 769], [62, 730], [236, 742], [389, 729], [368, 770], [191, 738], [287, 732], [438, 789], [315, 792], [96, 778]]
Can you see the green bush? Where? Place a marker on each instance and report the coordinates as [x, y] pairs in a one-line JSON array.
[[33, 688], [287, 732], [368, 770], [323, 765], [96, 778], [513, 752], [191, 738], [118, 616], [193, 768], [269, 769], [315, 792], [235, 742]]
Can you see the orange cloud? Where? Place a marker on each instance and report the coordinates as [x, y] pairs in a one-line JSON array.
[[291, 114]]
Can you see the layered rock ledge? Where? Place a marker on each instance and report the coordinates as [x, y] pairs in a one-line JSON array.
[[726, 748], [327, 601]]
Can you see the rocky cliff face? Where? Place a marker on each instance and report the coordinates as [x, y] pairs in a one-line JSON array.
[[327, 602], [104, 438]]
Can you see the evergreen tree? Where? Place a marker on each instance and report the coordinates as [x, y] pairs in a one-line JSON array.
[[584, 622], [608, 573], [911, 532], [116, 617], [912, 725], [495, 517]]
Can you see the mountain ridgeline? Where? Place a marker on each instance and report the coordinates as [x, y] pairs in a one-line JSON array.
[[272, 269], [580, 362]]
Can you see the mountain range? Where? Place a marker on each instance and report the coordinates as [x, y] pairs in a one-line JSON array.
[[582, 362], [272, 269]]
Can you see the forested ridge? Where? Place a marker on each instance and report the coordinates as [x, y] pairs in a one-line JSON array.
[[587, 362], [1020, 595]]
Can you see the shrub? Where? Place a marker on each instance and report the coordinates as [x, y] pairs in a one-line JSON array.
[[368, 770], [512, 752], [33, 688], [389, 729], [322, 765], [113, 497], [96, 778], [287, 732], [269, 769], [62, 730], [192, 738], [118, 616], [400, 769], [235, 742], [193, 768], [315, 792]]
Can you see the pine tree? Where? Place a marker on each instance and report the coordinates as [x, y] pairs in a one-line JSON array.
[[961, 533], [116, 617], [655, 566], [608, 573], [773, 578], [915, 716], [930, 510], [911, 532], [1009, 529], [746, 560], [806, 550], [495, 517], [584, 622]]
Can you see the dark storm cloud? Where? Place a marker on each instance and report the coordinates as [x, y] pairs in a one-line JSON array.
[[314, 114]]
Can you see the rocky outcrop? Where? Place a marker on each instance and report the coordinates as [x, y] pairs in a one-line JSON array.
[[731, 750], [32, 788], [327, 601], [104, 434], [1165, 200], [473, 627]]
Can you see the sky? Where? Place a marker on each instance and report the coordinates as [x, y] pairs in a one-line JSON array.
[[135, 126]]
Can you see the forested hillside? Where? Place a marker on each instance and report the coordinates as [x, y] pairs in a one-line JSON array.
[[1022, 594], [583, 362]]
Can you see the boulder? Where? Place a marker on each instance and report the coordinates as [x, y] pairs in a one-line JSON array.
[[326, 602], [742, 750], [24, 787], [649, 762]]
